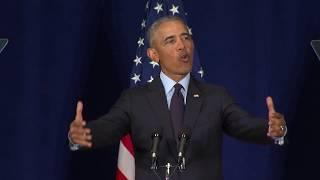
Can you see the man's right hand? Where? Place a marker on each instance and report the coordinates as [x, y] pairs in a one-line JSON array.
[[78, 133]]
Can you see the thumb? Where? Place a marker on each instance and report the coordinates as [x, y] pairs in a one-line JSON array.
[[79, 111], [270, 105]]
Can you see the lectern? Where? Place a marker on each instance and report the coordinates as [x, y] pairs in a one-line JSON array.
[[3, 43], [316, 47]]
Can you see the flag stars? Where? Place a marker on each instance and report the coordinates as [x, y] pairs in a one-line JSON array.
[[201, 72], [174, 9], [136, 78], [189, 30], [137, 60], [153, 63], [140, 41], [150, 80], [158, 8], [143, 24]]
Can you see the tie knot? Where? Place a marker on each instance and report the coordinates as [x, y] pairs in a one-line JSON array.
[[177, 87]]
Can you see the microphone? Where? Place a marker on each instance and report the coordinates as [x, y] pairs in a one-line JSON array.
[[156, 137], [184, 138]]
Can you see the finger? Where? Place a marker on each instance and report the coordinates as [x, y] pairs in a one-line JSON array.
[[88, 131], [84, 143], [275, 128], [77, 130], [276, 134], [76, 123], [89, 138], [75, 137], [80, 137], [270, 130], [276, 131], [270, 105], [277, 115], [88, 144], [277, 120], [275, 123], [79, 111], [80, 131]]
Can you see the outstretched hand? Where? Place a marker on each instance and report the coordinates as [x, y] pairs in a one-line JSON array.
[[78, 133], [277, 124]]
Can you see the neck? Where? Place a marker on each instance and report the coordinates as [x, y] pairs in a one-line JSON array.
[[175, 77]]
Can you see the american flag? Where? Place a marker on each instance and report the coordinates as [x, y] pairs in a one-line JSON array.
[[144, 71]]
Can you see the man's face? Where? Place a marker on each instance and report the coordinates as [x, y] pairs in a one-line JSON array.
[[172, 49]]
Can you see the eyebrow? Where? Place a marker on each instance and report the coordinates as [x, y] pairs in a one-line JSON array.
[[169, 37], [185, 33], [172, 36]]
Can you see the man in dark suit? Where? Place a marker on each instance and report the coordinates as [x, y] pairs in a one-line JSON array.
[[207, 111]]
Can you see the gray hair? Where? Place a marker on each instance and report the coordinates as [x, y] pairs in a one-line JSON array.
[[155, 25]]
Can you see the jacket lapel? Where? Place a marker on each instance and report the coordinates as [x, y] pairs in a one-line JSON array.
[[193, 106], [192, 111]]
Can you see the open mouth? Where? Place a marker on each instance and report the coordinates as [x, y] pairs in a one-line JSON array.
[[184, 57]]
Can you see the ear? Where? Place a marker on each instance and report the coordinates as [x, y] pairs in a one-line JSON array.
[[153, 54]]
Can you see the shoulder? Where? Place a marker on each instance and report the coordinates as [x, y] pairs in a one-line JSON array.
[[155, 85], [138, 90], [210, 88], [214, 93]]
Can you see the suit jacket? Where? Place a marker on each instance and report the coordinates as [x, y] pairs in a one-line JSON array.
[[209, 112]]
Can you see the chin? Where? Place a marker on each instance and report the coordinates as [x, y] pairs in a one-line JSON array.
[[187, 69], [185, 72]]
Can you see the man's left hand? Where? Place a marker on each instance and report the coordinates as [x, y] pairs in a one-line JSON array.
[[277, 124]]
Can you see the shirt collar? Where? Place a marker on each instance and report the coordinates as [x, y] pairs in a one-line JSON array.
[[168, 83]]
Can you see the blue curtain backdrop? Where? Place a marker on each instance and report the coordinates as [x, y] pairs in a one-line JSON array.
[[61, 51]]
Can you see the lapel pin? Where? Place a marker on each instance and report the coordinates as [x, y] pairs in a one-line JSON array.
[[196, 95]]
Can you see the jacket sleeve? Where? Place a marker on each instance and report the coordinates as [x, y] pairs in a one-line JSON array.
[[239, 124], [109, 128]]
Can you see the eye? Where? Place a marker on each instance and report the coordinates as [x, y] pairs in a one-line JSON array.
[[187, 37], [170, 41]]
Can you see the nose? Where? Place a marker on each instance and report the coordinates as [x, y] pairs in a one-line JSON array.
[[180, 44]]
